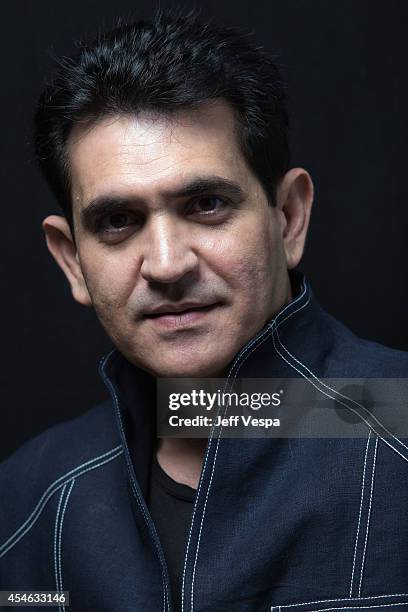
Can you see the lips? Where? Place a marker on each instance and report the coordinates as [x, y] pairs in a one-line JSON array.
[[182, 318], [179, 312]]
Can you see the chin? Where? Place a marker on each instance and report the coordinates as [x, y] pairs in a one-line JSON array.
[[187, 369]]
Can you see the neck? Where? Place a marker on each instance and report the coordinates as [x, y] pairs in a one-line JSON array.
[[182, 458]]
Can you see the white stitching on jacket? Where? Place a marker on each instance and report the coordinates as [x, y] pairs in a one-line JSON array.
[[338, 394], [346, 599], [400, 603], [336, 398], [359, 516], [56, 528], [31, 520], [62, 606], [368, 518]]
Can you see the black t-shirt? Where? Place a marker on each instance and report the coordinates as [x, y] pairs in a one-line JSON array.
[[171, 505]]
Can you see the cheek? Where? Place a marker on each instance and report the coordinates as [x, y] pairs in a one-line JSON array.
[[248, 260], [109, 280]]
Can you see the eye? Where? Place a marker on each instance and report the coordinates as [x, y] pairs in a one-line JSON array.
[[207, 206], [116, 221]]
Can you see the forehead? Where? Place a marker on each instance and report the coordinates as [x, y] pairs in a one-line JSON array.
[[149, 153]]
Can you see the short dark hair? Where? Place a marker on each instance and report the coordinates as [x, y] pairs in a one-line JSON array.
[[170, 63]]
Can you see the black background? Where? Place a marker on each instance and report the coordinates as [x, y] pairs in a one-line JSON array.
[[345, 64]]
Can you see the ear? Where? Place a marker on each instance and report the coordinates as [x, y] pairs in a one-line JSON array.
[[294, 198], [62, 247]]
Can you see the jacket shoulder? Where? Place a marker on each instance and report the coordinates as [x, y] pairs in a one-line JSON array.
[[90, 431], [43, 464], [355, 357]]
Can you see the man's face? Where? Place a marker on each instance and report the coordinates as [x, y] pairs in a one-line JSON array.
[[168, 216]]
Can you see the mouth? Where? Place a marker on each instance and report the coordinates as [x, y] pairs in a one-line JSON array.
[[182, 318]]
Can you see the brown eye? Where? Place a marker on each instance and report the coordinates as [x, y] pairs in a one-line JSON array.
[[115, 222], [208, 205]]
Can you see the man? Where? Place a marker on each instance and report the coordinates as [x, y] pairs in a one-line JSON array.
[[165, 144]]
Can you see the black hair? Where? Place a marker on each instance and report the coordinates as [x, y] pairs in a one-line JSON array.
[[172, 62]]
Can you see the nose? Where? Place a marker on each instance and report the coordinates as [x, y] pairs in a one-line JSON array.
[[168, 254]]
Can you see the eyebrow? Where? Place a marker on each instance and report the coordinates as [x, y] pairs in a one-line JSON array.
[[106, 204]]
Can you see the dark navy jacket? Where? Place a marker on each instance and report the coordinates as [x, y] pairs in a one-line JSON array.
[[284, 525]]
